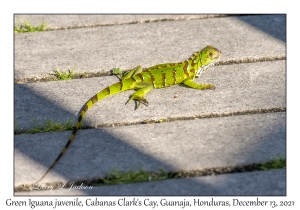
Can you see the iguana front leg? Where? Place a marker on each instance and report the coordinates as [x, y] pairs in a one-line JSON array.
[[190, 83], [133, 72], [123, 76]]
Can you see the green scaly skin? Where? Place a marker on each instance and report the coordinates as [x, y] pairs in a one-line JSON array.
[[159, 76]]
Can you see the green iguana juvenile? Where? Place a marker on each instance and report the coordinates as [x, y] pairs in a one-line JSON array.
[[159, 76]]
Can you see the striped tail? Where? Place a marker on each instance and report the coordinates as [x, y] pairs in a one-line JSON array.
[[110, 90]]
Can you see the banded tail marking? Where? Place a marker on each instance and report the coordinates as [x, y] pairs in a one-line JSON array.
[[102, 94], [76, 127]]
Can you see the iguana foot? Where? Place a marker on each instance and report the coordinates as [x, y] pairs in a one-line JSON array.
[[143, 101], [138, 100]]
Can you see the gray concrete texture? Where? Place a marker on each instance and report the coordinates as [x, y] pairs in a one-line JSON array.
[[174, 146], [100, 49], [239, 184], [252, 88], [58, 22]]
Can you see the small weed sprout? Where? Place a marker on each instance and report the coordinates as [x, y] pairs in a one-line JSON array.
[[27, 27], [64, 75]]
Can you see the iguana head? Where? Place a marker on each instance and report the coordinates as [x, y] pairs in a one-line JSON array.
[[208, 57]]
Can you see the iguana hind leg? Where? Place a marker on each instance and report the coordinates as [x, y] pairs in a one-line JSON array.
[[190, 83], [142, 89]]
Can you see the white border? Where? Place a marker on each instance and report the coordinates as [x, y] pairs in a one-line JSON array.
[[8, 8]]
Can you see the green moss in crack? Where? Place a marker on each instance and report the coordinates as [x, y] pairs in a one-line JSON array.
[[64, 75], [275, 163], [130, 176], [47, 126], [27, 27]]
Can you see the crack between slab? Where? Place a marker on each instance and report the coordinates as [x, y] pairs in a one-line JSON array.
[[138, 22], [176, 175], [201, 116], [101, 74], [173, 119], [251, 60], [209, 16]]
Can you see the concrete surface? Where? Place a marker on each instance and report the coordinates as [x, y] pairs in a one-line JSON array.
[[174, 146], [58, 22], [100, 49], [96, 44], [239, 184]]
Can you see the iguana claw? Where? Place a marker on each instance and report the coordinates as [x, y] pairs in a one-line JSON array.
[[139, 101]]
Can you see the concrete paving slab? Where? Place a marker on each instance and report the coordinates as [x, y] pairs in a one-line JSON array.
[[239, 88], [99, 49], [240, 184], [203, 143], [55, 22], [173, 146]]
